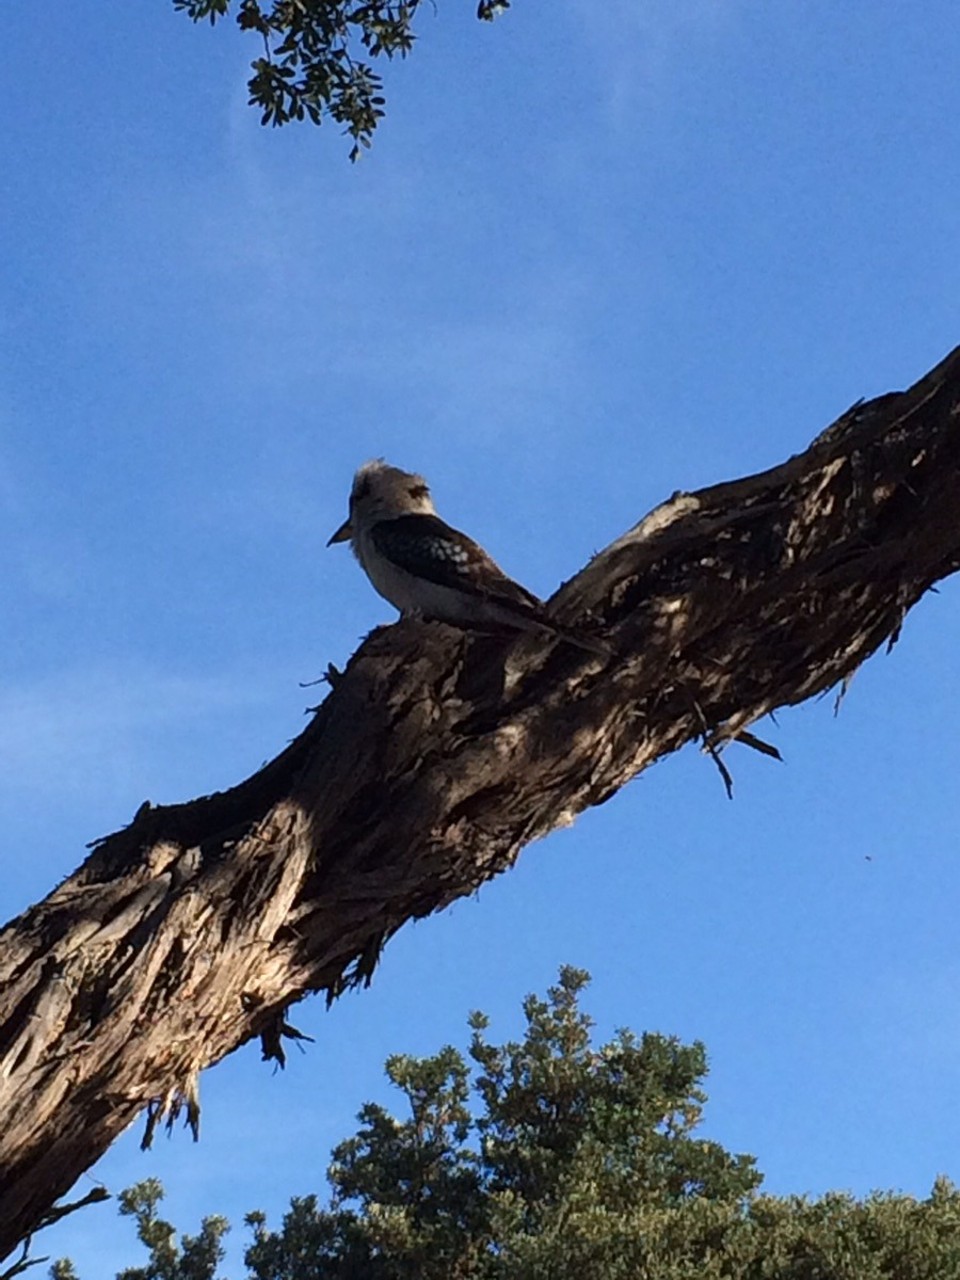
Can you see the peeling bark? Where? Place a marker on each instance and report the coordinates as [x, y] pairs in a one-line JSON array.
[[435, 758]]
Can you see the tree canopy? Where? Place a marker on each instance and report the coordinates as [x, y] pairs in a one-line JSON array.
[[547, 1158], [315, 55]]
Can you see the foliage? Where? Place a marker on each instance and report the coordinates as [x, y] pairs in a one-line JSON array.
[[573, 1163], [313, 62], [195, 1258], [564, 1129]]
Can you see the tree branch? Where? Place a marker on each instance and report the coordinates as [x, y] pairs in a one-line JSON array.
[[436, 757]]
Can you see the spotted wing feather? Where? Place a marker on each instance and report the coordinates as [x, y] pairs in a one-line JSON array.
[[429, 548]]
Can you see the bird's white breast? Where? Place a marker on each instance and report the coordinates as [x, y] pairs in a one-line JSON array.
[[406, 591]]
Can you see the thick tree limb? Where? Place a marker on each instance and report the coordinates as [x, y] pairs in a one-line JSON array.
[[435, 758]]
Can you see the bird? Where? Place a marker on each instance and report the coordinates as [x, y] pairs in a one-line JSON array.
[[427, 569]]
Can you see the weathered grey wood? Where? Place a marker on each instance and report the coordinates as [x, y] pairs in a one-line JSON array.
[[434, 759]]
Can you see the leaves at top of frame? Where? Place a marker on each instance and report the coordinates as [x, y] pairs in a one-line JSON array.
[[313, 61]]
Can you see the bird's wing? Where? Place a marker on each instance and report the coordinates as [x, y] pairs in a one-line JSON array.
[[429, 548]]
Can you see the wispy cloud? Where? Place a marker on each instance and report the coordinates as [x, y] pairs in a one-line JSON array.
[[635, 47], [100, 732], [312, 355], [38, 558]]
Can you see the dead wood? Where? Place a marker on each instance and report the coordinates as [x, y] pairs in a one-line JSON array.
[[434, 759]]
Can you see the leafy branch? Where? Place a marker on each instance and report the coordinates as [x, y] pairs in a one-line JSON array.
[[315, 56]]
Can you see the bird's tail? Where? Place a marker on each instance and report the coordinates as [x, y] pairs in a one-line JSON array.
[[534, 618]]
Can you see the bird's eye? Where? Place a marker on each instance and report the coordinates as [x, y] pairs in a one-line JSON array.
[[419, 491], [362, 490]]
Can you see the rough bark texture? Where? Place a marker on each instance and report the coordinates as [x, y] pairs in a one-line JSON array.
[[436, 757]]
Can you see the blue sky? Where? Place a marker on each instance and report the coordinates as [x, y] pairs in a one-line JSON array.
[[592, 259]]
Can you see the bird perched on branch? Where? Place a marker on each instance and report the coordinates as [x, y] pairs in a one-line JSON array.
[[427, 569]]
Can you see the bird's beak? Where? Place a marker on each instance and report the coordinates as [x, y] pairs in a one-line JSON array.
[[343, 534]]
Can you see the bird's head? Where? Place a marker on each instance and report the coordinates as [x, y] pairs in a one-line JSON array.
[[382, 492]]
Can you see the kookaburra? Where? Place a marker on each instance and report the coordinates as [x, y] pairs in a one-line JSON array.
[[427, 569]]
